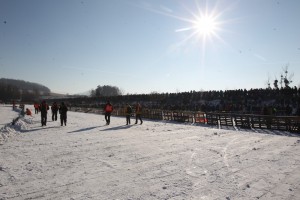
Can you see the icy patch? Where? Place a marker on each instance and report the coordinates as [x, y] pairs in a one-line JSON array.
[[12, 129]]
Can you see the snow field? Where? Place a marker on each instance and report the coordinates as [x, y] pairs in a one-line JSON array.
[[157, 160]]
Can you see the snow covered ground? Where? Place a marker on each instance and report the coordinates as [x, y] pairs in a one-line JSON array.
[[6, 114], [157, 160]]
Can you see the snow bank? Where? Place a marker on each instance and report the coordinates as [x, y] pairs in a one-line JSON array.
[[7, 119], [12, 129]]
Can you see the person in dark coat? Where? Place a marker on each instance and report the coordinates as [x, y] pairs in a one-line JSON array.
[[128, 111], [44, 110], [108, 108], [63, 114], [54, 109]]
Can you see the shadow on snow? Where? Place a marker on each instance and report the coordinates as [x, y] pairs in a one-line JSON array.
[[117, 128], [84, 129], [41, 128]]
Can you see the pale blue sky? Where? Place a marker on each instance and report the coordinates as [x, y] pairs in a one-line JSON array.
[[142, 46]]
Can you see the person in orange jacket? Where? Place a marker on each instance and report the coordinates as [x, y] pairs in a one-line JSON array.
[[138, 113], [108, 108], [28, 112]]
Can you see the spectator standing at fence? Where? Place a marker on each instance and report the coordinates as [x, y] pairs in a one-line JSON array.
[[288, 110], [138, 113], [44, 110], [63, 114], [128, 112], [108, 108], [54, 109]]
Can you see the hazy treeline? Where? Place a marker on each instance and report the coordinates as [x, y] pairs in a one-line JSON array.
[[19, 90]]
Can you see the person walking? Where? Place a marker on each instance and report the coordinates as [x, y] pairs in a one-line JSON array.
[[138, 113], [36, 108], [128, 112], [54, 109], [63, 114], [108, 108], [44, 110]]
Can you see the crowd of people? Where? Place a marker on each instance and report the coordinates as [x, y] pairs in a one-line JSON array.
[[253, 101], [108, 108], [43, 109], [276, 102], [62, 109], [283, 102]]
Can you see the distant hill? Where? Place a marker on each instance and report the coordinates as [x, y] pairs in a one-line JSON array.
[[19, 90], [25, 85]]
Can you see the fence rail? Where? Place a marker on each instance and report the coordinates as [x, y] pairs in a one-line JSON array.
[[246, 121]]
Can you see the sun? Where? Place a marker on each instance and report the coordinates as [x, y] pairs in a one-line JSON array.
[[205, 26], [202, 26]]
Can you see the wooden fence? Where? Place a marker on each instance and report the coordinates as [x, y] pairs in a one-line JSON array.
[[246, 121]]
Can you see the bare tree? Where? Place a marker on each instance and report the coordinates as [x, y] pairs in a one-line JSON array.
[[287, 79], [268, 83], [276, 83]]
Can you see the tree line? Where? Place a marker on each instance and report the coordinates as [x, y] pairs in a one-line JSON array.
[[19, 90], [105, 91]]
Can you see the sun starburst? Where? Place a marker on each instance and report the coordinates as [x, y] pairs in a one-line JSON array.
[[203, 25]]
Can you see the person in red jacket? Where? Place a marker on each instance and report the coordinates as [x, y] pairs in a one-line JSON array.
[[108, 108], [36, 108]]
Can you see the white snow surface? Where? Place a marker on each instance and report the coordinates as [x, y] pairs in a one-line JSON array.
[[7, 114], [156, 160]]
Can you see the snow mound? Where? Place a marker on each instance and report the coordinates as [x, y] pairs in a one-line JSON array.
[[12, 129]]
